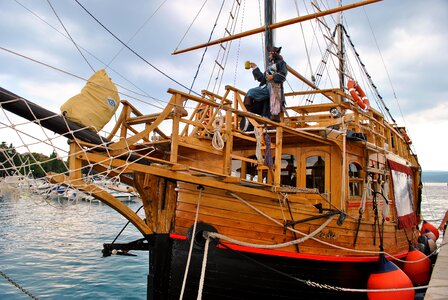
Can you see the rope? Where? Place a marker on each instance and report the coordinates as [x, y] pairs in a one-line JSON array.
[[206, 48], [217, 141], [190, 251], [320, 241], [189, 27], [132, 50], [135, 34], [66, 31], [326, 286], [272, 246], [18, 285], [84, 79], [121, 231], [93, 55], [204, 264]]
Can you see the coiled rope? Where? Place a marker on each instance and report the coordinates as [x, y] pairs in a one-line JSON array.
[[217, 141]]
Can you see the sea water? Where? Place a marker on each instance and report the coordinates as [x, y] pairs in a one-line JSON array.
[[53, 249]]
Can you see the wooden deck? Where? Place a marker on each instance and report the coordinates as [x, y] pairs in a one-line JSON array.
[[438, 285]]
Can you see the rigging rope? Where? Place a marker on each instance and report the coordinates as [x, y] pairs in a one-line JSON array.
[[239, 45], [133, 51], [385, 68], [82, 78], [225, 49], [206, 48], [304, 43], [189, 27], [145, 94], [73, 41], [135, 34], [381, 105]]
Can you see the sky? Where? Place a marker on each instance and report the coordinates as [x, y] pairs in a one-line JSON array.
[[403, 44]]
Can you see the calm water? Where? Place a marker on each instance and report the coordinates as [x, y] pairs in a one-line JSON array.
[[54, 251]]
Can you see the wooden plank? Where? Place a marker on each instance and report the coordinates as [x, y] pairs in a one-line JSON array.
[[438, 285], [306, 109], [163, 172]]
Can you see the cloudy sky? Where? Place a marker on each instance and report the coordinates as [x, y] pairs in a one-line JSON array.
[[403, 44]]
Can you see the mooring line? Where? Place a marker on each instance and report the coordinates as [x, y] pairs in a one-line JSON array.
[[18, 286]]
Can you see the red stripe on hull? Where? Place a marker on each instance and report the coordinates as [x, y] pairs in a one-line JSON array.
[[298, 255]]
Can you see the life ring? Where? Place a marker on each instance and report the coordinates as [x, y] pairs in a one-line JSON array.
[[358, 94]]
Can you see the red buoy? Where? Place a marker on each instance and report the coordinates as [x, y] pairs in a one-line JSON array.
[[426, 225], [388, 276], [418, 272]]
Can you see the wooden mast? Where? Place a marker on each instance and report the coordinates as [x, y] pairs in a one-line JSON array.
[[269, 20]]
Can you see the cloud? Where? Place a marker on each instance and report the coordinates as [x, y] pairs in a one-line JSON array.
[[427, 129], [411, 35]]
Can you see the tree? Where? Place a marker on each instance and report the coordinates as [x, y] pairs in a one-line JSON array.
[[39, 165]]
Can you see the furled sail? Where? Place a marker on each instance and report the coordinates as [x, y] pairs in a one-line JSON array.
[[95, 105]]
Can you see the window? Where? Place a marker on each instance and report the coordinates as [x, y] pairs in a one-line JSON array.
[[288, 173], [315, 173], [355, 180]]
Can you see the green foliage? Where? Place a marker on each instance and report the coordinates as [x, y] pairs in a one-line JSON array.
[[12, 163]]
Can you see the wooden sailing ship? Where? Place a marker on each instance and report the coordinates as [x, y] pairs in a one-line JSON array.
[[304, 206]]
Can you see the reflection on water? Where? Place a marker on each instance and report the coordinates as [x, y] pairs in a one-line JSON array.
[[54, 251], [434, 202]]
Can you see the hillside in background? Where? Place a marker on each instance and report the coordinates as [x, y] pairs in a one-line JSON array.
[[435, 176]]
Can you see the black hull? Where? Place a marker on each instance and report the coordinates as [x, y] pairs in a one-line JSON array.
[[232, 274]]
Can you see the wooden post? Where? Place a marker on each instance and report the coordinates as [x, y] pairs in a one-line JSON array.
[[175, 132], [278, 155], [229, 144], [74, 164]]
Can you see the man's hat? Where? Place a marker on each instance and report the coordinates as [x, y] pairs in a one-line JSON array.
[[274, 49]]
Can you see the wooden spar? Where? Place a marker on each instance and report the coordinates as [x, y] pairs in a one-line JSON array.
[[48, 119], [107, 198], [305, 80], [278, 25]]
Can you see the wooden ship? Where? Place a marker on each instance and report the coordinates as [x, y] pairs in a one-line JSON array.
[[304, 206]]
